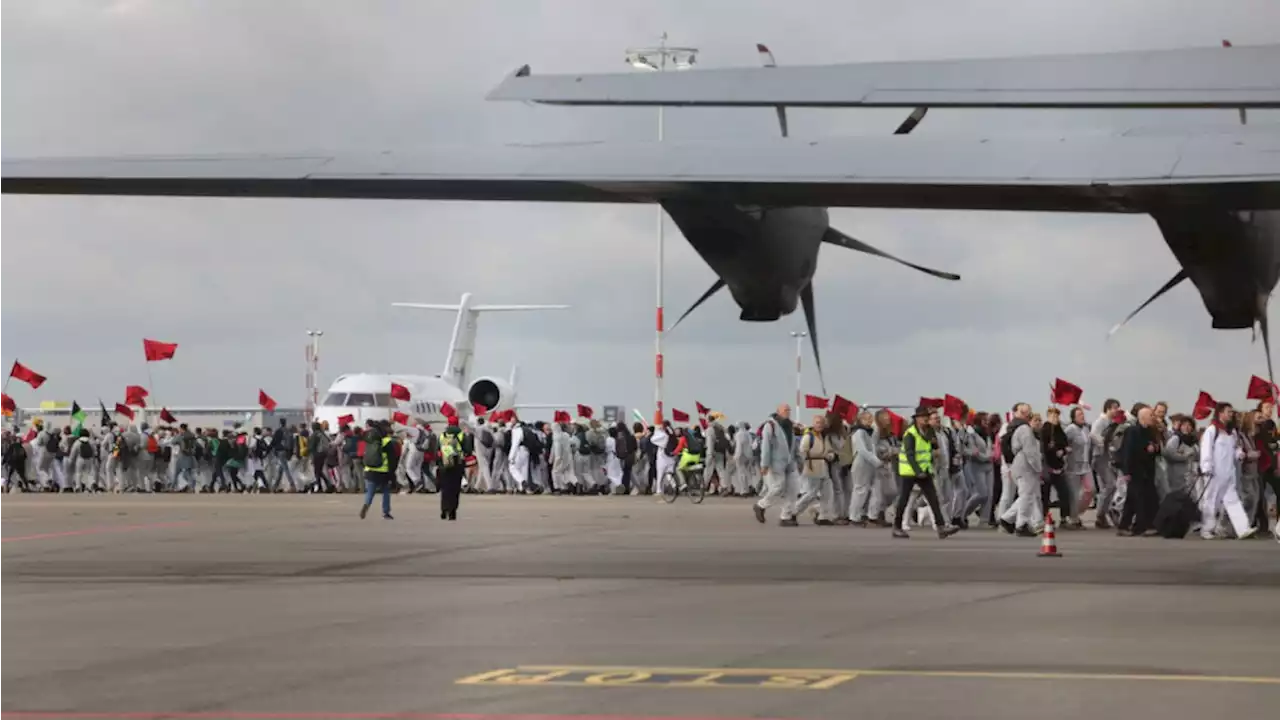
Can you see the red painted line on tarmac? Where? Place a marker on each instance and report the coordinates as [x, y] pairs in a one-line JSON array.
[[92, 531], [50, 715]]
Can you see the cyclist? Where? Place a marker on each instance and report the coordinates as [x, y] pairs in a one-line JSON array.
[[692, 447]]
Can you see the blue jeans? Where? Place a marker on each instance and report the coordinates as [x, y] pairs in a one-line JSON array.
[[374, 481]]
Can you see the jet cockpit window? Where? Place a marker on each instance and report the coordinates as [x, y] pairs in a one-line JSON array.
[[334, 399], [360, 400], [385, 400]]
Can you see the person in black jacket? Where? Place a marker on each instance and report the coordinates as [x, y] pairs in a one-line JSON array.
[[1141, 444], [625, 446], [1053, 443]]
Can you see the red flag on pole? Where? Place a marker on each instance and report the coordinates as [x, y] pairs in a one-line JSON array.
[[703, 422], [702, 409], [679, 415], [448, 411], [399, 417], [346, 420], [897, 424], [135, 395], [266, 401], [124, 410], [585, 411], [562, 417], [27, 375], [1204, 406], [400, 392], [931, 403], [1260, 389], [7, 404], [478, 410], [167, 416], [953, 407], [845, 409], [815, 402], [1065, 393], [156, 350]]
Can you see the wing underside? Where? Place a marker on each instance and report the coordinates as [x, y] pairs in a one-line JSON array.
[[1082, 174], [1215, 77]]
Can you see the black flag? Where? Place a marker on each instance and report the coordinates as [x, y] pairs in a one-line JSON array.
[[106, 416]]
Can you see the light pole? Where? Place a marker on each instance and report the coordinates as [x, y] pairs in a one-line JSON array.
[[659, 59], [313, 372], [799, 336]]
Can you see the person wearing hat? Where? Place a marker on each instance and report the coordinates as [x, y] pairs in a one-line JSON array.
[[915, 468]]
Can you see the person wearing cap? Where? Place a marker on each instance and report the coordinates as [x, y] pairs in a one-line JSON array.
[[915, 468]]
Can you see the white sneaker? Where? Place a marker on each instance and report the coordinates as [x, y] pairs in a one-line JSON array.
[[1248, 533]]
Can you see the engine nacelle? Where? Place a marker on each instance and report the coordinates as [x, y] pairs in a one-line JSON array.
[[492, 393]]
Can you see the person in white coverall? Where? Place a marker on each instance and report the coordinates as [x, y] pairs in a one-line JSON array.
[[744, 466], [1104, 473], [518, 459], [778, 466], [716, 458], [562, 475], [1023, 516], [867, 497], [1219, 452], [664, 463]]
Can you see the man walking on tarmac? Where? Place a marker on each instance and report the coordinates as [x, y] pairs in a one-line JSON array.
[[915, 468], [381, 457]]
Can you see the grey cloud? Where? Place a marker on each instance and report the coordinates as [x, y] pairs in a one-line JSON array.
[[236, 281]]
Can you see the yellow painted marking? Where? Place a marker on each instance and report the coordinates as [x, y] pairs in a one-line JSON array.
[[623, 678], [821, 679]]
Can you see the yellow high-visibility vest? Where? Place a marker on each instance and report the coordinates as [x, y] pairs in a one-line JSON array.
[[924, 455]]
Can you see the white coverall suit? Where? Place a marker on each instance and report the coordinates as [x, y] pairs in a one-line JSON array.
[[1028, 464], [518, 459], [745, 471], [1218, 455]]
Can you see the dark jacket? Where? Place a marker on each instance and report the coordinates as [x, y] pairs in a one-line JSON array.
[[1053, 439], [1140, 448]]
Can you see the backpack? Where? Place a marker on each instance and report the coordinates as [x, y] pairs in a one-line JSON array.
[[260, 447], [1006, 442], [432, 443], [302, 446], [1113, 438], [51, 444], [531, 442], [722, 444], [486, 437], [450, 450], [86, 449], [373, 455], [584, 445], [123, 450], [696, 444], [188, 445], [597, 442], [505, 441]]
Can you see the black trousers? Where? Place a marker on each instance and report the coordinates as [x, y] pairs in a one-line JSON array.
[[449, 481], [927, 488], [1140, 505], [317, 468], [627, 467], [1057, 481], [1260, 519]]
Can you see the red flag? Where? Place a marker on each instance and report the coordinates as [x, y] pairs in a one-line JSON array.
[[400, 392], [844, 408], [897, 424], [477, 409], [135, 395], [1204, 406], [1260, 389], [167, 416], [814, 402], [679, 415], [703, 422], [562, 417], [124, 410], [702, 409], [1065, 393], [399, 417], [953, 407], [931, 403], [265, 401], [448, 411], [346, 420], [156, 350], [27, 375], [7, 404], [585, 411]]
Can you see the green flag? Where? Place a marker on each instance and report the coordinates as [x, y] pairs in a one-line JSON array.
[[77, 415]]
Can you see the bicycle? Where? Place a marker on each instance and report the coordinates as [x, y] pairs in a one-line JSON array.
[[693, 485]]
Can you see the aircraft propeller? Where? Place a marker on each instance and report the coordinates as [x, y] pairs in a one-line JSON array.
[[832, 236]]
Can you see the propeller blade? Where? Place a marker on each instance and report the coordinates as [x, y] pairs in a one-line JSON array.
[[912, 121], [811, 319], [1182, 275], [835, 237], [766, 59], [719, 283]]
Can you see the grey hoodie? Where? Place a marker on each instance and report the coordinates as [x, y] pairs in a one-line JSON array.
[[1027, 458]]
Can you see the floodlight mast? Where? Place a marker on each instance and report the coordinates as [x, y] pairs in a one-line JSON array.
[[659, 59]]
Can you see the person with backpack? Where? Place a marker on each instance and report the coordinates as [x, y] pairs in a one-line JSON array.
[[719, 446], [625, 446], [80, 461], [485, 443], [455, 446], [15, 462], [318, 451], [283, 448], [816, 457], [778, 467], [1021, 450], [380, 459]]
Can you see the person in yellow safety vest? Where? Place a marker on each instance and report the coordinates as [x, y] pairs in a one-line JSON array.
[[381, 457], [915, 468], [691, 454]]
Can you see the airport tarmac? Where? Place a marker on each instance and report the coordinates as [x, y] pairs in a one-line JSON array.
[[245, 607]]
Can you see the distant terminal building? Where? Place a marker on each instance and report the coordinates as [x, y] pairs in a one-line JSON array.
[[58, 414]]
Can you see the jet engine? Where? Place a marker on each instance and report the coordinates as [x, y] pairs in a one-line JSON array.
[[492, 393]]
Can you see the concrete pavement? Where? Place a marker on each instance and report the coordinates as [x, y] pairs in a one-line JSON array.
[[289, 606]]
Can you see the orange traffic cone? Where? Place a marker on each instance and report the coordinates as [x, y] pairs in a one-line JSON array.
[[1049, 544]]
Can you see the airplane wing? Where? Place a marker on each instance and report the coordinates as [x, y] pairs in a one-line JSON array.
[[1100, 173], [1217, 77]]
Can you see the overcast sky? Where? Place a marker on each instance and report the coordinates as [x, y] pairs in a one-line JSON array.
[[236, 282]]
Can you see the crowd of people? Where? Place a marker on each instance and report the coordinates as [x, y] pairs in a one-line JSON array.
[[863, 470]]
